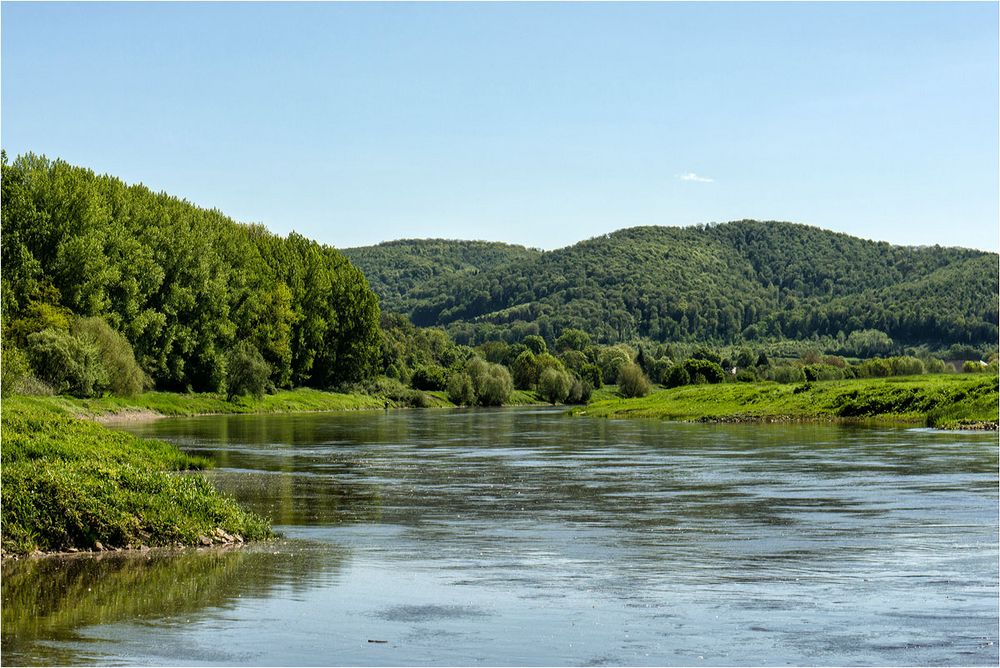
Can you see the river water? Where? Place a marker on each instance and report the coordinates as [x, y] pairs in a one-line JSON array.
[[525, 537]]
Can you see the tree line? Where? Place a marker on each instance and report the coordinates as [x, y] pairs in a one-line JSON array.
[[182, 285]]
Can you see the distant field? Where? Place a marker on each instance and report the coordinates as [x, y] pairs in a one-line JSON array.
[[945, 400]]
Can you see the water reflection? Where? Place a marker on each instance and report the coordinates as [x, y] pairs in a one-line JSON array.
[[526, 537], [52, 599]]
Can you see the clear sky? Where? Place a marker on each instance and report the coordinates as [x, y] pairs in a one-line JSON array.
[[539, 124]]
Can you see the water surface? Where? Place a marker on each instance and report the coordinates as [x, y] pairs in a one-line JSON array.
[[524, 537]]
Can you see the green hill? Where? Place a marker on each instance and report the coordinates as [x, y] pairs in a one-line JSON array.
[[743, 280], [394, 268]]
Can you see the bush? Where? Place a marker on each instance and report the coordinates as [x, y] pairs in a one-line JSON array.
[[554, 385], [786, 374], [970, 366], [525, 370], [611, 360], [906, 366], [573, 339], [15, 368], [632, 382], [246, 371], [535, 343], [934, 365], [67, 364], [125, 378], [661, 368], [677, 376], [460, 390], [429, 377], [579, 392], [591, 373], [711, 371], [815, 372], [495, 387]]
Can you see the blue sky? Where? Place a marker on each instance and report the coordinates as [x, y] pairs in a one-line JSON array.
[[539, 124]]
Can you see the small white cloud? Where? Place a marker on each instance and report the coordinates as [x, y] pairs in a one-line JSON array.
[[691, 176]]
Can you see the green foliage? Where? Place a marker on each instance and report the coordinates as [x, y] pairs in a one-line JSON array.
[[612, 359], [69, 483], [554, 385], [535, 343], [632, 382], [579, 392], [181, 284], [677, 376], [786, 373], [733, 282], [66, 363], [460, 390], [591, 373], [246, 371], [710, 371], [491, 382], [573, 339], [430, 377], [14, 363], [525, 370], [814, 372], [867, 343], [124, 377], [661, 368], [970, 366]]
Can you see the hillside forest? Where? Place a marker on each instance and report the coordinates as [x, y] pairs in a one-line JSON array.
[[111, 288]]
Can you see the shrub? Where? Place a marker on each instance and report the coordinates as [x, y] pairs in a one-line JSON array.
[[579, 392], [677, 376], [972, 366], [67, 364], [15, 368], [429, 377], [591, 373], [815, 372], [554, 385], [125, 377], [632, 382], [246, 371], [573, 339], [535, 343], [612, 359], [460, 390], [495, 386], [906, 366], [934, 365], [661, 368], [786, 374], [525, 370], [711, 371]]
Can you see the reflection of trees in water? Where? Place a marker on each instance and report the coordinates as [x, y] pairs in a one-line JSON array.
[[51, 598]]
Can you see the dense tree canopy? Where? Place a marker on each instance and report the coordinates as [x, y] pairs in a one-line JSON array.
[[741, 281], [182, 284]]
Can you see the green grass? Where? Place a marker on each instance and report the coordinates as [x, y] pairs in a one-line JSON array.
[[69, 483], [944, 400], [181, 404]]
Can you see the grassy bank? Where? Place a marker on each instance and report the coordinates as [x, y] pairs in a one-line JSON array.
[[181, 404], [71, 484], [946, 400]]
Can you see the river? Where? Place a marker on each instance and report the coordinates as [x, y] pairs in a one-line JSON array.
[[526, 537]]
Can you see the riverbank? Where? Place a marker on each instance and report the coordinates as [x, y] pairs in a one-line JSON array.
[[950, 401], [73, 485], [152, 405]]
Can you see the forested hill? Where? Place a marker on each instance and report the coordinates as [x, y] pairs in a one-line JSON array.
[[394, 268], [184, 285], [745, 280]]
